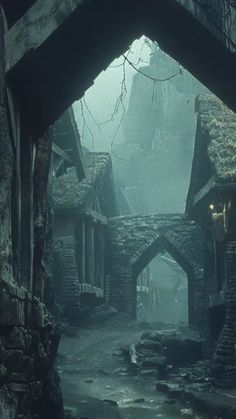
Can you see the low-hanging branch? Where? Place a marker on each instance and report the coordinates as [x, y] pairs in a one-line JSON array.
[[155, 79]]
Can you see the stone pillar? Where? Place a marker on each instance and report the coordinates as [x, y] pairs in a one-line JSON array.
[[197, 304], [123, 291], [70, 278], [224, 361], [107, 289]]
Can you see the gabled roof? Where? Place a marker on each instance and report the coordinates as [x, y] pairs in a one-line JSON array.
[[214, 161], [218, 125], [67, 138], [70, 194]]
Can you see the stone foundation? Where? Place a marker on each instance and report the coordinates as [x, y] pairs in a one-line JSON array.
[[29, 385]]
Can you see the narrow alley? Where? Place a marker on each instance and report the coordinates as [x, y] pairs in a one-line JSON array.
[[117, 209], [98, 381]]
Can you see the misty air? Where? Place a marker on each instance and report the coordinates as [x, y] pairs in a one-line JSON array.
[[117, 209]]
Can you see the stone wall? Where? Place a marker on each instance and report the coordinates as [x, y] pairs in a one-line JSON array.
[[66, 277], [29, 386], [136, 240], [80, 237]]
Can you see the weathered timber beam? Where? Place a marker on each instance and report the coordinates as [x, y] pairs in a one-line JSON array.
[[57, 54], [57, 164], [84, 213], [212, 185], [35, 27], [204, 190], [77, 151], [61, 153], [94, 216], [42, 167], [58, 48], [6, 172]]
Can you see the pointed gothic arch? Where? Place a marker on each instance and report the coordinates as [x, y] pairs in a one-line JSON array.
[[136, 240]]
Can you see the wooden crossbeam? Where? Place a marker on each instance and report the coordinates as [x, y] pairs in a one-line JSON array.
[[58, 48], [77, 151], [61, 153], [85, 213]]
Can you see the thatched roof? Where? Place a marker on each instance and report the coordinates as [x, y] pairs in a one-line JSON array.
[[69, 193], [218, 126]]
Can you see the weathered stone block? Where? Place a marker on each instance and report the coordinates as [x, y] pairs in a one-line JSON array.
[[7, 405], [37, 314], [11, 310], [14, 360], [16, 340]]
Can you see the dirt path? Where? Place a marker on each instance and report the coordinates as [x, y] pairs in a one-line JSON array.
[[96, 382]]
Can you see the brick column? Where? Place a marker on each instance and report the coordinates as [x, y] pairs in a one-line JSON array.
[[70, 278]]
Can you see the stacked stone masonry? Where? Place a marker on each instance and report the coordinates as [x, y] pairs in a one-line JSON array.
[[136, 240]]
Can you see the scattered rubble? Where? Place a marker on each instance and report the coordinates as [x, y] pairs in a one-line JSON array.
[[157, 353], [101, 313]]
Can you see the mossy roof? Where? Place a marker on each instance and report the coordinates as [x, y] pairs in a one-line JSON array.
[[70, 193], [218, 125]]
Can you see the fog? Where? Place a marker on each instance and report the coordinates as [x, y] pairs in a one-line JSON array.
[[162, 292], [148, 127]]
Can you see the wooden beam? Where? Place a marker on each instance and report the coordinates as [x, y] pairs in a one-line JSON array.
[[225, 187], [204, 190], [77, 151], [90, 265], [84, 213], [57, 165], [216, 186], [61, 153], [82, 252], [27, 213], [44, 50], [35, 27], [58, 48], [95, 216]]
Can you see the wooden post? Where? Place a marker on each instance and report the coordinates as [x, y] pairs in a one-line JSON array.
[[27, 218], [6, 171], [41, 176], [14, 112], [90, 253], [102, 244], [83, 252], [191, 300]]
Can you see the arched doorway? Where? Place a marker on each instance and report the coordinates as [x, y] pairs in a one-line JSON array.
[[162, 291], [175, 301]]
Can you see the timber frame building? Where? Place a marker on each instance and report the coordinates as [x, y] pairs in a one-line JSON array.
[[45, 65], [81, 235]]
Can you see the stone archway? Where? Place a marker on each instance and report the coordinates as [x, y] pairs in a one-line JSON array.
[[136, 240], [148, 252]]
